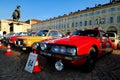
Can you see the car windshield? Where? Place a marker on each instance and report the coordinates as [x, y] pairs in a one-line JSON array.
[[10, 34], [16, 34], [86, 33], [31, 33], [76, 32], [21, 34], [42, 33]]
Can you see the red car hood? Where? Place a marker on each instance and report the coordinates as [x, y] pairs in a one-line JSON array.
[[73, 40]]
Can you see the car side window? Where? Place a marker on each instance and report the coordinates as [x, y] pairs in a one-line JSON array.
[[54, 34]]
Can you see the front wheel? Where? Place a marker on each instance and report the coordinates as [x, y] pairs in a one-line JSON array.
[[91, 60], [118, 46]]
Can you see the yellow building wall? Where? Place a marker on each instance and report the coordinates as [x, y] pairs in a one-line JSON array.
[[21, 27]]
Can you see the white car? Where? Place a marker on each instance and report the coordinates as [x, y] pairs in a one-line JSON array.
[[114, 38]]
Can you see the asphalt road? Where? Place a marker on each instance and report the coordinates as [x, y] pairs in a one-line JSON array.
[[12, 68]]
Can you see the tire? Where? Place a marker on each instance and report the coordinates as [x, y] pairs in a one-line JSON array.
[[118, 46], [91, 60]]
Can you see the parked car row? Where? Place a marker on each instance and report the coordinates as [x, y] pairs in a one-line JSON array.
[[82, 47], [12, 37], [25, 40]]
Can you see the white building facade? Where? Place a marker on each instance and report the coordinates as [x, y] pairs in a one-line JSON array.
[[108, 13]]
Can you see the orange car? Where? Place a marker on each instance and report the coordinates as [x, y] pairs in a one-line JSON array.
[[26, 42]]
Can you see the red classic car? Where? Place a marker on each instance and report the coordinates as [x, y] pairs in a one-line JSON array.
[[12, 39], [82, 47]]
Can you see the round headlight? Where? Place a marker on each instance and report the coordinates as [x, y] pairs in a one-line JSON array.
[[35, 45], [62, 49], [71, 51], [43, 46], [55, 49]]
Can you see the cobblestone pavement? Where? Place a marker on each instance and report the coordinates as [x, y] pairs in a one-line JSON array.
[[12, 68]]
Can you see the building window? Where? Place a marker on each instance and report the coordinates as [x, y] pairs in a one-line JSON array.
[[75, 17], [72, 24], [55, 27], [85, 24], [67, 25], [90, 22], [103, 11], [118, 19], [91, 14], [64, 25], [59, 27], [81, 16], [80, 23], [97, 12], [111, 20], [119, 8], [68, 18], [111, 9], [76, 24], [85, 15]]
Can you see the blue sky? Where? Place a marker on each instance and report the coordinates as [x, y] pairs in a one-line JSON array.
[[44, 9]]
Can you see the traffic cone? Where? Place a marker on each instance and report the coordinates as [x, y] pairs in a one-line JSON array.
[[8, 52], [37, 67], [0, 45]]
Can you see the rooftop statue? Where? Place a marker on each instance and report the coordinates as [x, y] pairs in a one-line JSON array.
[[16, 14]]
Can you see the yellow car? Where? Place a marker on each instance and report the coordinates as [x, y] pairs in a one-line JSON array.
[[26, 42]]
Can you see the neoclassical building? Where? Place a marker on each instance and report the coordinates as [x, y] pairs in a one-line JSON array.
[[11, 26], [108, 15]]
